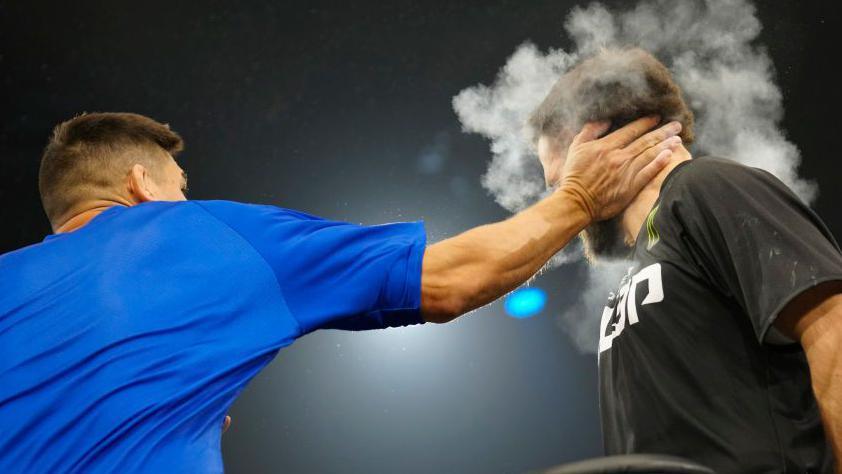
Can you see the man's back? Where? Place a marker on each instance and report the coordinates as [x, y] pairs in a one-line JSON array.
[[686, 364], [122, 344], [104, 367]]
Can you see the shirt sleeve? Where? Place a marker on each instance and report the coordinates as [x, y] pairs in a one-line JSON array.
[[335, 275], [753, 237]]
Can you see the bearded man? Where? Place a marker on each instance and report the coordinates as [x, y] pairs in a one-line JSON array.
[[721, 345]]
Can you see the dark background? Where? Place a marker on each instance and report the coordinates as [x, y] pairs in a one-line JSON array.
[[336, 109]]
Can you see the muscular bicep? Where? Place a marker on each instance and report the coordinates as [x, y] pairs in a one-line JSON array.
[[447, 277]]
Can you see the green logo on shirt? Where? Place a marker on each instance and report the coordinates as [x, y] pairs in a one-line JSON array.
[[652, 232]]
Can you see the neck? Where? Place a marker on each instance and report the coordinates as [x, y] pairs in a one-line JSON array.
[[634, 215], [79, 216]]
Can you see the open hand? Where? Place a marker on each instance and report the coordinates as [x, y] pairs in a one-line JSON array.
[[605, 174]]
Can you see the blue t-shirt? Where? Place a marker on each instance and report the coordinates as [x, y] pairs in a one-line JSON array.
[[123, 344]]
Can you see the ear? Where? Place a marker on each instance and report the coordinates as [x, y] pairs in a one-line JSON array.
[[139, 185]]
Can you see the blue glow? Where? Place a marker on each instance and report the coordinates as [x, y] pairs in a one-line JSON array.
[[525, 302]]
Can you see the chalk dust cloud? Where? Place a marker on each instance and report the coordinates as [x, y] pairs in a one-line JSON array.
[[709, 46]]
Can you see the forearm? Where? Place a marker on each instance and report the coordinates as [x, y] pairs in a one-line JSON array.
[[478, 266], [600, 177], [814, 318], [822, 343]]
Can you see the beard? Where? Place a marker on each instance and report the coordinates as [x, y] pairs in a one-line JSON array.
[[604, 240]]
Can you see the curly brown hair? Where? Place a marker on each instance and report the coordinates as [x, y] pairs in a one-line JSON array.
[[618, 84]]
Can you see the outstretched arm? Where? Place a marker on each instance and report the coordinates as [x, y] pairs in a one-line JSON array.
[[815, 319], [601, 177]]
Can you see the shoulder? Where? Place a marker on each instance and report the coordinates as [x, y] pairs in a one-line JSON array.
[[716, 187], [261, 225], [719, 177], [232, 210], [711, 170]]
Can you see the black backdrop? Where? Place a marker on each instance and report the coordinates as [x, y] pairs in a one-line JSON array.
[[329, 107]]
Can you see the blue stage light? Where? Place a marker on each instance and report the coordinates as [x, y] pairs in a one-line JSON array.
[[525, 302]]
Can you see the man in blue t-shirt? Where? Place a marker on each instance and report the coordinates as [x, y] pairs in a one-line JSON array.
[[127, 334]]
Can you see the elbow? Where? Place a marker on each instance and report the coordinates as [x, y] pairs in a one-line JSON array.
[[449, 290], [443, 309], [444, 300]]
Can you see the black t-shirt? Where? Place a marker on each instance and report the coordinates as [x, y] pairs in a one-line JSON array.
[[687, 366]]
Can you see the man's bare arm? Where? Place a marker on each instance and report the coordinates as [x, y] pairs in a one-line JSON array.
[[601, 177], [815, 319]]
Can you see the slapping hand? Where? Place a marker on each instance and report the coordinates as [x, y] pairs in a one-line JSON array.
[[605, 174]]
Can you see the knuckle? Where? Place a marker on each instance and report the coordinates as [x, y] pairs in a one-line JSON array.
[[644, 147]]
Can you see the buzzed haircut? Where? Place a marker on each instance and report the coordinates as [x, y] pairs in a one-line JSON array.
[[616, 84], [92, 153]]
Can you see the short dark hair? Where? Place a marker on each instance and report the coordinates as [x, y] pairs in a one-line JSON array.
[[618, 84], [92, 152]]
